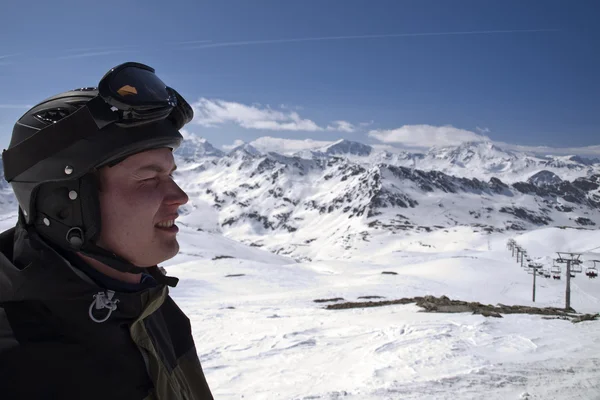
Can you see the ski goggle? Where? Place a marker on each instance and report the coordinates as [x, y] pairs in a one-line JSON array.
[[131, 94]]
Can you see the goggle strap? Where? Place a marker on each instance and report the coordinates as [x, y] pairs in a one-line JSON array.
[[101, 112]]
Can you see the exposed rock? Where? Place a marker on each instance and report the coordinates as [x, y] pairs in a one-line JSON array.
[[526, 215], [328, 300], [584, 221], [445, 305]]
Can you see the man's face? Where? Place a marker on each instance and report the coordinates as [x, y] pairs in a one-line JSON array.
[[138, 201]]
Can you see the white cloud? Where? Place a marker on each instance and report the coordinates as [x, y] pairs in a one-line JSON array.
[[363, 37], [14, 106], [341, 126], [393, 149], [420, 137], [286, 146], [590, 151], [93, 54], [214, 112], [235, 144], [482, 130], [427, 136], [286, 107], [189, 135]]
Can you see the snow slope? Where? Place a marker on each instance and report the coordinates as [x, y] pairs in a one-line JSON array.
[[260, 335]]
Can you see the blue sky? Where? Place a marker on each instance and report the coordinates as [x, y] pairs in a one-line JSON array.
[[388, 71]]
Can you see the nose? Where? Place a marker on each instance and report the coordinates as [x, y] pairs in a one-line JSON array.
[[176, 195]]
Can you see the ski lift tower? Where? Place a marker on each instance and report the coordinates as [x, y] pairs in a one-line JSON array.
[[534, 268], [524, 254], [570, 259], [518, 250], [510, 245]]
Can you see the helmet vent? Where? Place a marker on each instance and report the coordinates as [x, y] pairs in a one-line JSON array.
[[85, 89], [52, 116]]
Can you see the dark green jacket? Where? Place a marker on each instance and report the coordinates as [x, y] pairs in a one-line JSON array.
[[53, 344]]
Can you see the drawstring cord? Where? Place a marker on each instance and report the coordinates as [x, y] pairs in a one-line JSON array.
[[103, 300]]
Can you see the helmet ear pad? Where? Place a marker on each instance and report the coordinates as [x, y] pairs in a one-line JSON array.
[[68, 212], [90, 205]]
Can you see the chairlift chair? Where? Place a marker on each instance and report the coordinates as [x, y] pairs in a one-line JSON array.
[[591, 272], [546, 273], [576, 267], [555, 271]]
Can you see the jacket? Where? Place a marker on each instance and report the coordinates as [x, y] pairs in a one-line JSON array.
[[62, 336]]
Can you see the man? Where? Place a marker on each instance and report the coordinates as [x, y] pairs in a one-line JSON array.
[[84, 308]]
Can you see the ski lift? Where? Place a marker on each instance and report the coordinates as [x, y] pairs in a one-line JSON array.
[[592, 272], [576, 267], [546, 273], [555, 271], [535, 268]]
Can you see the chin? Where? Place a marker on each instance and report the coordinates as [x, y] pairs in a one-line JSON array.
[[159, 252], [169, 253]]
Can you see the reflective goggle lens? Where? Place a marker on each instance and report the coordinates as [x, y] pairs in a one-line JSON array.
[[137, 87]]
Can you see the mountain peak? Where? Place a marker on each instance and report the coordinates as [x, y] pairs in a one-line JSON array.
[[194, 147], [246, 148], [344, 146], [544, 178]]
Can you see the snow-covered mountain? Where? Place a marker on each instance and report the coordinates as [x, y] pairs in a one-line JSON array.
[[246, 148], [308, 207], [194, 147], [345, 147], [8, 202], [346, 194], [481, 160]]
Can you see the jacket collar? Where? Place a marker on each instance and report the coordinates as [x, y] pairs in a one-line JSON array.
[[36, 271]]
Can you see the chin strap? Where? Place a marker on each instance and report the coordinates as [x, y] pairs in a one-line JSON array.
[[120, 264], [160, 277]]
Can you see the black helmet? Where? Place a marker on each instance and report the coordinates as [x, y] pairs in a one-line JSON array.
[[58, 144]]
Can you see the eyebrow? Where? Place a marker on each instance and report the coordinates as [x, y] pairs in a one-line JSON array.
[[155, 168]]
